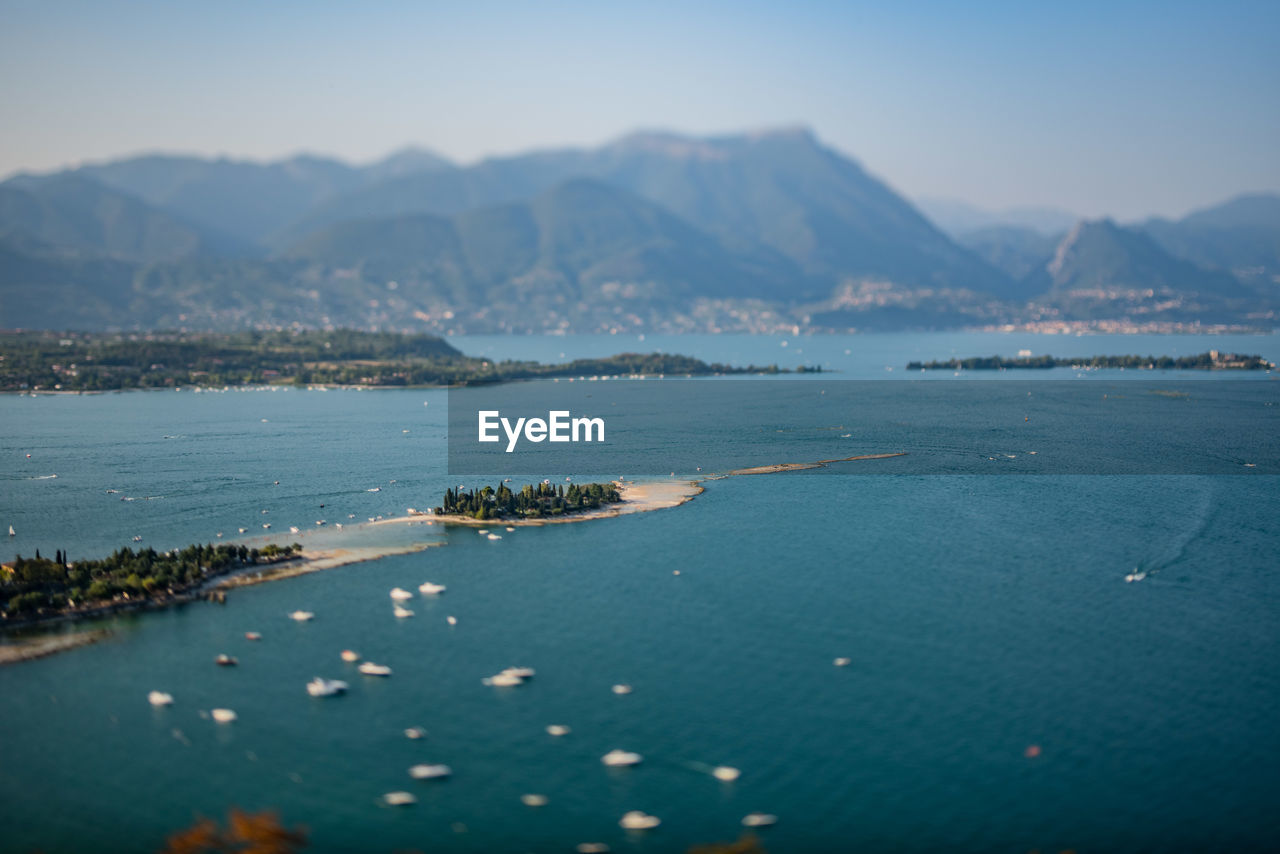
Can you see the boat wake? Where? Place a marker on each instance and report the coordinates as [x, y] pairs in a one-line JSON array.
[[1204, 513]]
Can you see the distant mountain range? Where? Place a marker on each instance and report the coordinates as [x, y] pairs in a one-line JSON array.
[[654, 231]]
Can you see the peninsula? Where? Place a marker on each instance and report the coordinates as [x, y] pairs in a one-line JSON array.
[[51, 362], [1210, 361], [40, 589]]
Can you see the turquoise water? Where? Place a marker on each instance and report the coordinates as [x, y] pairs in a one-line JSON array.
[[982, 615]]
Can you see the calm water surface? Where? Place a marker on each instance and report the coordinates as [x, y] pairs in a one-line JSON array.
[[982, 615]]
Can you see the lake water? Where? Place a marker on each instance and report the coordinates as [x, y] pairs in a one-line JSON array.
[[982, 616]]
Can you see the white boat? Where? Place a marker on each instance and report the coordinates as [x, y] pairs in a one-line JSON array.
[[510, 529], [350, 655], [638, 820], [726, 773], [302, 616], [426, 588], [452, 620], [401, 613], [503, 680], [326, 687], [592, 848], [842, 662], [400, 594], [622, 689], [399, 799], [293, 529], [759, 819], [520, 672], [368, 668], [223, 716], [12, 532], [621, 758], [160, 698], [558, 730], [415, 732], [534, 800], [430, 772], [494, 537]]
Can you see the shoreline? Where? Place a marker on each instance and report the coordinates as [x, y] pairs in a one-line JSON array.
[[636, 498]]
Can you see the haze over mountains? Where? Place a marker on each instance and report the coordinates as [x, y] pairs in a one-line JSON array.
[[655, 231]]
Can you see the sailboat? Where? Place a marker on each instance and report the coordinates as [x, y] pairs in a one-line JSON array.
[[12, 532]]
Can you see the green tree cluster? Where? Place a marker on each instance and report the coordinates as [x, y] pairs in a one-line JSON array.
[[30, 585], [532, 501]]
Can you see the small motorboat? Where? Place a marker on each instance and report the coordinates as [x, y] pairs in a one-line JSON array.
[[426, 588], [520, 672], [430, 772], [638, 820], [399, 799], [621, 758], [558, 730], [254, 636], [759, 819], [842, 662], [401, 613], [222, 716], [592, 848], [452, 620], [503, 680], [160, 698], [302, 616], [415, 732], [726, 773], [400, 594], [368, 668], [534, 800], [225, 660], [350, 655], [293, 529], [622, 689], [319, 687]]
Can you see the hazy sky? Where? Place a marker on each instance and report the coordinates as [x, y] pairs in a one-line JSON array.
[[1124, 109]]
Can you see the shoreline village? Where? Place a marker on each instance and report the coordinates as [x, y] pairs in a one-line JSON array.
[[558, 426]]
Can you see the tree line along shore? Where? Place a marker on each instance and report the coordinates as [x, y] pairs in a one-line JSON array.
[[531, 502], [40, 588], [1213, 360], [55, 361]]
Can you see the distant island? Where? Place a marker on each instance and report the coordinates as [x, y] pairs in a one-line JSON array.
[[40, 588], [50, 361], [1210, 361], [531, 502]]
